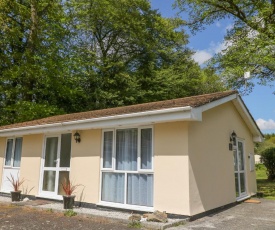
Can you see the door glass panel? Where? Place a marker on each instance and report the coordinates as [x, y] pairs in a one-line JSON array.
[[113, 187], [235, 160], [242, 182], [237, 185], [49, 181], [9, 152], [65, 152], [107, 149], [63, 175], [17, 152], [51, 152], [146, 149], [240, 152]]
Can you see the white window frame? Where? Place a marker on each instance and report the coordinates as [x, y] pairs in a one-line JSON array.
[[126, 172], [12, 152]]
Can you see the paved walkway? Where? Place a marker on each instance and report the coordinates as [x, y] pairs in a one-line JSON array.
[[245, 216]]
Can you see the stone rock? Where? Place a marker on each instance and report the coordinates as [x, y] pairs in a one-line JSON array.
[[145, 215], [157, 216], [135, 217], [26, 199]]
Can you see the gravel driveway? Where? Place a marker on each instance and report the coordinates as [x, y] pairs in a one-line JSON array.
[[245, 216]]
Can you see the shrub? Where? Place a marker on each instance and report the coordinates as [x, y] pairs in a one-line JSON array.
[[15, 182], [268, 159], [69, 187], [70, 213]]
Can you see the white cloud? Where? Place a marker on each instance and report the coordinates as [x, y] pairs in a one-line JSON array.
[[202, 56], [218, 24], [229, 27], [265, 124]]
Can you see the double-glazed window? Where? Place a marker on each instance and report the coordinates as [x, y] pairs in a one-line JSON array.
[[127, 166], [13, 152]]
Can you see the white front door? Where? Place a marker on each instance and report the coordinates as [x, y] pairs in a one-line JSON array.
[[239, 167], [55, 165], [12, 162]]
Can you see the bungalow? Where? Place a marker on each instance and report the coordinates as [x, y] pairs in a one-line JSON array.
[[184, 156]]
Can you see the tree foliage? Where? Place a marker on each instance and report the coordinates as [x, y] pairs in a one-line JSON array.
[[76, 55], [268, 159], [269, 142], [250, 42]]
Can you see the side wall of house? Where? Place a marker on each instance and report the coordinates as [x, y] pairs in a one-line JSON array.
[[211, 166], [171, 182], [85, 165]]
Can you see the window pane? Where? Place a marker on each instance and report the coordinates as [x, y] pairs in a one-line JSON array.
[[107, 149], [146, 149], [65, 154], [49, 181], [113, 187], [126, 149], [140, 189], [9, 152], [17, 152], [51, 152]]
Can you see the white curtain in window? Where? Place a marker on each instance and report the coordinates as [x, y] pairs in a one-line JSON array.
[[17, 152], [113, 187], [126, 149], [107, 149], [146, 149], [140, 189], [9, 152]]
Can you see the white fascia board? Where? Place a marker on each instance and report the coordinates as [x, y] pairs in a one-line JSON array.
[[218, 102], [245, 114], [142, 118]]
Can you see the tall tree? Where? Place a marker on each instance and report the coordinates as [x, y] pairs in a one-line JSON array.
[[250, 42], [130, 54], [33, 79], [76, 55]]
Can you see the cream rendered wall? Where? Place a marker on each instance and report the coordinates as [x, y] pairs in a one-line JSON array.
[[2, 156], [171, 177], [31, 162], [85, 165], [211, 166]]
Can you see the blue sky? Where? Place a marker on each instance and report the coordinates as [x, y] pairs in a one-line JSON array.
[[261, 102]]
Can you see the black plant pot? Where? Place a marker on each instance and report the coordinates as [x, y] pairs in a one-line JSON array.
[[15, 196], [68, 202]]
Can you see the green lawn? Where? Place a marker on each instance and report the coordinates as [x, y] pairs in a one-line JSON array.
[[263, 185]]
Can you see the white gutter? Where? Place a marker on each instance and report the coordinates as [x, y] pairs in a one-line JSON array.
[[180, 113]]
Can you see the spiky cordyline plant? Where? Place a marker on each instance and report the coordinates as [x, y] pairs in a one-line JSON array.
[[16, 183], [69, 187]]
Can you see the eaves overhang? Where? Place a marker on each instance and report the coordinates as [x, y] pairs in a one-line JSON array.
[[186, 113]]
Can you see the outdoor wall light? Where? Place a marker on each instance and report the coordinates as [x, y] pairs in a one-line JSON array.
[[232, 140], [77, 137]]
